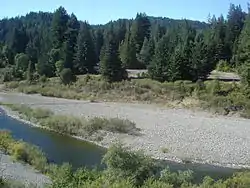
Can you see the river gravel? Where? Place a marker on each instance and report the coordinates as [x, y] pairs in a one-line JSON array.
[[25, 174], [188, 135]]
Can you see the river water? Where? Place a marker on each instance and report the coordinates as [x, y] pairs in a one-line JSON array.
[[59, 149]]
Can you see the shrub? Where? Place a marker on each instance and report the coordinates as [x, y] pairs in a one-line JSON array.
[[176, 179], [122, 163], [19, 152], [67, 76], [64, 124], [5, 141], [223, 66]]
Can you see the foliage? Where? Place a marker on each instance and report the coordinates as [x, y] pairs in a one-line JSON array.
[[111, 66], [223, 66], [22, 151], [124, 169], [125, 164], [67, 76]]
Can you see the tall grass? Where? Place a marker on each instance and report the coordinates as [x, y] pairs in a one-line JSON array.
[[73, 125]]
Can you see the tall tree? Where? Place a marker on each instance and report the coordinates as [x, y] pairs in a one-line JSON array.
[[110, 64], [235, 23], [59, 27], [128, 52], [85, 59], [158, 68], [69, 45], [98, 36], [147, 51], [139, 30], [243, 52], [18, 40]]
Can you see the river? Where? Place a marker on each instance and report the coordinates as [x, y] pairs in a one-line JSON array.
[[59, 149]]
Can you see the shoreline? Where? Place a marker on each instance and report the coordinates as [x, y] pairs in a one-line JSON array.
[[111, 137]]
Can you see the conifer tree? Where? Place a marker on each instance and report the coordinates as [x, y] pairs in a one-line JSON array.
[[85, 59], [69, 45], [158, 68], [147, 52], [110, 65]]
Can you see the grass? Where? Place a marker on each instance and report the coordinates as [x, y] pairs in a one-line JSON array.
[[73, 125], [22, 151], [210, 95]]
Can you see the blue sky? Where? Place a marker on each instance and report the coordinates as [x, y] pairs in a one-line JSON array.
[[102, 11]]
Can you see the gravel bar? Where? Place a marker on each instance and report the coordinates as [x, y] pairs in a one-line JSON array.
[[19, 172], [188, 135]]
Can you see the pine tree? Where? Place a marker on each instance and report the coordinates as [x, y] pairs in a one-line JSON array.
[[139, 30], [128, 52], [110, 65], [243, 52], [235, 24], [158, 68], [59, 27], [85, 59], [147, 52], [98, 42], [69, 44]]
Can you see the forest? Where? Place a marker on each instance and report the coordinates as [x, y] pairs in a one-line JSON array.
[[58, 44]]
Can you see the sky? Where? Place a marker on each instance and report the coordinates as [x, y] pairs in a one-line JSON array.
[[102, 11]]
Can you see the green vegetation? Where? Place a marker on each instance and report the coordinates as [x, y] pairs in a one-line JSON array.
[[217, 96], [72, 125], [58, 44], [22, 151], [124, 169]]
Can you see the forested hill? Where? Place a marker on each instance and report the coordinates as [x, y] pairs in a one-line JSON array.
[[47, 43]]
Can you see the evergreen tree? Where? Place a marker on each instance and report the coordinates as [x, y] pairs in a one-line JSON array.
[[128, 52], [147, 52], [59, 27], [243, 52], [158, 68], [139, 30], [235, 24], [69, 45], [85, 59], [98, 42], [110, 65], [18, 40]]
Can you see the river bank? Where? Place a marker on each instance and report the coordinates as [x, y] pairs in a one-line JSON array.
[[21, 172], [187, 135]]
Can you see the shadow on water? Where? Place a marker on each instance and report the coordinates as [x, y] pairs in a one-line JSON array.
[[59, 149]]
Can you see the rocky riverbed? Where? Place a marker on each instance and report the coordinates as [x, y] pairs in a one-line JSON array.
[[172, 134], [19, 172]]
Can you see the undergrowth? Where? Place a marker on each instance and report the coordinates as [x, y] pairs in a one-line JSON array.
[[220, 97]]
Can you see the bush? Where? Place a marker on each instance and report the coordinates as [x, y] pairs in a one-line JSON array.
[[64, 124], [67, 76], [223, 66], [122, 163], [5, 141], [176, 179], [22, 151], [19, 152]]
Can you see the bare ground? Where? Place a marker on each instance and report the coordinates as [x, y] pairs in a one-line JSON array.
[[187, 135]]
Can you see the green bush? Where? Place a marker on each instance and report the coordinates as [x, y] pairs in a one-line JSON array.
[[19, 152], [122, 163], [67, 76], [223, 66]]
